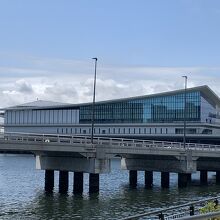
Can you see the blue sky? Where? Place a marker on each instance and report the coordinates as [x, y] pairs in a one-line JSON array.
[[143, 46]]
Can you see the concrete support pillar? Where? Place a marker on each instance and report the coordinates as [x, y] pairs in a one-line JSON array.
[[165, 179], [78, 182], [203, 177], [217, 177], [182, 179], [49, 180], [148, 179], [63, 181], [133, 178], [189, 177], [93, 182]]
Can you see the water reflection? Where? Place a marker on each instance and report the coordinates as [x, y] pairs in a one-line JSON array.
[[121, 204]]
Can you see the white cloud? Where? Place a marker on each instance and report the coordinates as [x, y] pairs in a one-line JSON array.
[[24, 87], [72, 81]]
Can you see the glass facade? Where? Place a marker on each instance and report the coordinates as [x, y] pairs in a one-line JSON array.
[[52, 116], [208, 111], [167, 108]]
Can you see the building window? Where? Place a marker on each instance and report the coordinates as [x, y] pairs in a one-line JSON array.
[[161, 130], [178, 131], [188, 131], [103, 131], [84, 131], [207, 131], [191, 131]]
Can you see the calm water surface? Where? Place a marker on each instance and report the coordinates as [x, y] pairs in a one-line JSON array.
[[22, 193]]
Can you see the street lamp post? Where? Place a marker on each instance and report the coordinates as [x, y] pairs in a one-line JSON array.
[[93, 102], [184, 124]]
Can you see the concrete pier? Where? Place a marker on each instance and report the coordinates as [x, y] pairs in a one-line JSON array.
[[78, 182], [203, 177], [182, 179], [217, 177], [63, 181], [189, 178], [133, 178], [148, 179], [73, 164], [93, 183], [165, 179], [49, 180]]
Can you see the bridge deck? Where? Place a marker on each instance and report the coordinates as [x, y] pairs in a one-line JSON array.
[[66, 143]]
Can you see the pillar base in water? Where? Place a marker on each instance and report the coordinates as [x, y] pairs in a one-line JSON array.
[[148, 179], [189, 178], [133, 178], [78, 182], [49, 181], [203, 177], [63, 181], [182, 179], [165, 179], [217, 177], [93, 183]]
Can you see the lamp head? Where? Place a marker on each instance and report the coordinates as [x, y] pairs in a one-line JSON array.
[[95, 58]]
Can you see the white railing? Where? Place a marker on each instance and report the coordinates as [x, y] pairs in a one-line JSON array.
[[105, 141], [43, 138]]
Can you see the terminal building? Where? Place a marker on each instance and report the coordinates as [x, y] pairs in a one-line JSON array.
[[157, 116]]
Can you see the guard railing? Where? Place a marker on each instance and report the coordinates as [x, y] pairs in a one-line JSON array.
[[185, 211], [105, 141]]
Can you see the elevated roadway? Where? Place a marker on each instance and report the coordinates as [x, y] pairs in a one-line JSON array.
[[78, 154]]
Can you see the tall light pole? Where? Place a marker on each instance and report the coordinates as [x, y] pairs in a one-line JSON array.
[[184, 124], [93, 102]]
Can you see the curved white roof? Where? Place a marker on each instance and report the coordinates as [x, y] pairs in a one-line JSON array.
[[40, 104]]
